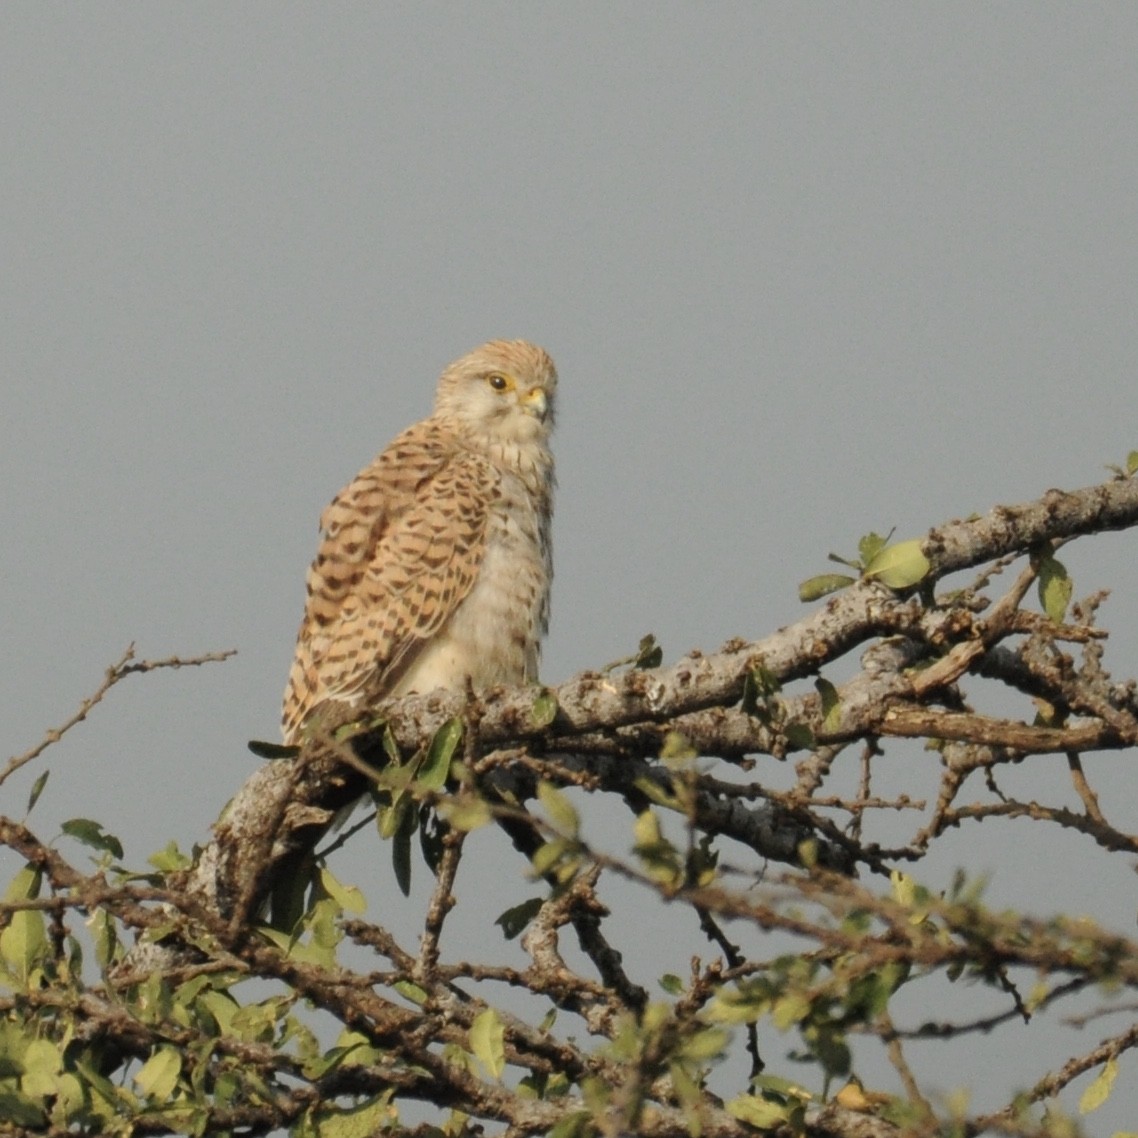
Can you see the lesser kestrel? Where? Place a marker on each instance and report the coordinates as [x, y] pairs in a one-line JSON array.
[[435, 561]]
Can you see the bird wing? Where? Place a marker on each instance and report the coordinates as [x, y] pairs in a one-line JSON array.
[[401, 548]]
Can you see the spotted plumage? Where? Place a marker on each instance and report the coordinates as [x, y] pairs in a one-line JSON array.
[[435, 561]]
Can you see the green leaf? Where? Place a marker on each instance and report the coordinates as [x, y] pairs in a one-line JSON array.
[[37, 790], [106, 938], [288, 896], [466, 812], [345, 731], [42, 1063], [70, 1096], [91, 833], [359, 1121], [25, 886], [20, 1110], [799, 736], [657, 793], [114, 1098], [562, 813], [401, 850], [704, 1045], [317, 1066], [169, 859], [899, 566], [760, 687], [387, 738], [348, 897], [787, 1088], [660, 858], [544, 710], [265, 750], [676, 752], [74, 956], [575, 1125], [702, 862], [647, 830], [815, 588], [395, 779], [411, 991], [390, 817], [488, 1042], [546, 856], [832, 1052], [790, 1009], [904, 888], [433, 773], [1099, 1090], [1132, 462], [23, 942], [649, 654], [431, 831], [321, 922], [686, 1089], [671, 984], [159, 1074], [871, 545], [831, 704], [1055, 588], [868, 995], [758, 1112], [515, 919]]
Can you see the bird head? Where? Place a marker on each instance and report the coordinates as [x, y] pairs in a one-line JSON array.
[[503, 391]]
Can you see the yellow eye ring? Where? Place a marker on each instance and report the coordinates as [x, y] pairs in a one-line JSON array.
[[498, 382]]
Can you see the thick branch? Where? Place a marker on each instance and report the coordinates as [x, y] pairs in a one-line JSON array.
[[292, 805]]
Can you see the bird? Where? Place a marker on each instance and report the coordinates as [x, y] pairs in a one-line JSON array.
[[435, 562]]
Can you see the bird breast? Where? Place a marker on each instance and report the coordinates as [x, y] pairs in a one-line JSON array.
[[494, 635]]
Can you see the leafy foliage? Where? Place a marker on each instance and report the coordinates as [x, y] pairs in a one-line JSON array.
[[898, 566], [159, 1001]]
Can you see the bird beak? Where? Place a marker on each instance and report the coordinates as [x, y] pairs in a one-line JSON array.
[[536, 404]]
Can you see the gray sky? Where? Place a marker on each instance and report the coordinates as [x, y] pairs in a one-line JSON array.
[[806, 271]]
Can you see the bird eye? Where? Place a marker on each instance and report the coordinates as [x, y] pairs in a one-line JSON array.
[[498, 382]]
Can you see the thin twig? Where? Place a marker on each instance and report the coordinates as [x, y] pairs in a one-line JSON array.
[[1083, 789], [118, 671], [1052, 1084], [900, 1064], [441, 903]]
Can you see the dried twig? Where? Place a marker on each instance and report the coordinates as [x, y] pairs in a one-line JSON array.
[[117, 672]]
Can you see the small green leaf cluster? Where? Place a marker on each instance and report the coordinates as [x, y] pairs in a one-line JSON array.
[[898, 566], [562, 857], [659, 1043], [773, 1102], [822, 1000], [317, 934], [407, 794], [648, 655], [488, 1042], [1128, 469], [1055, 586], [762, 699]]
